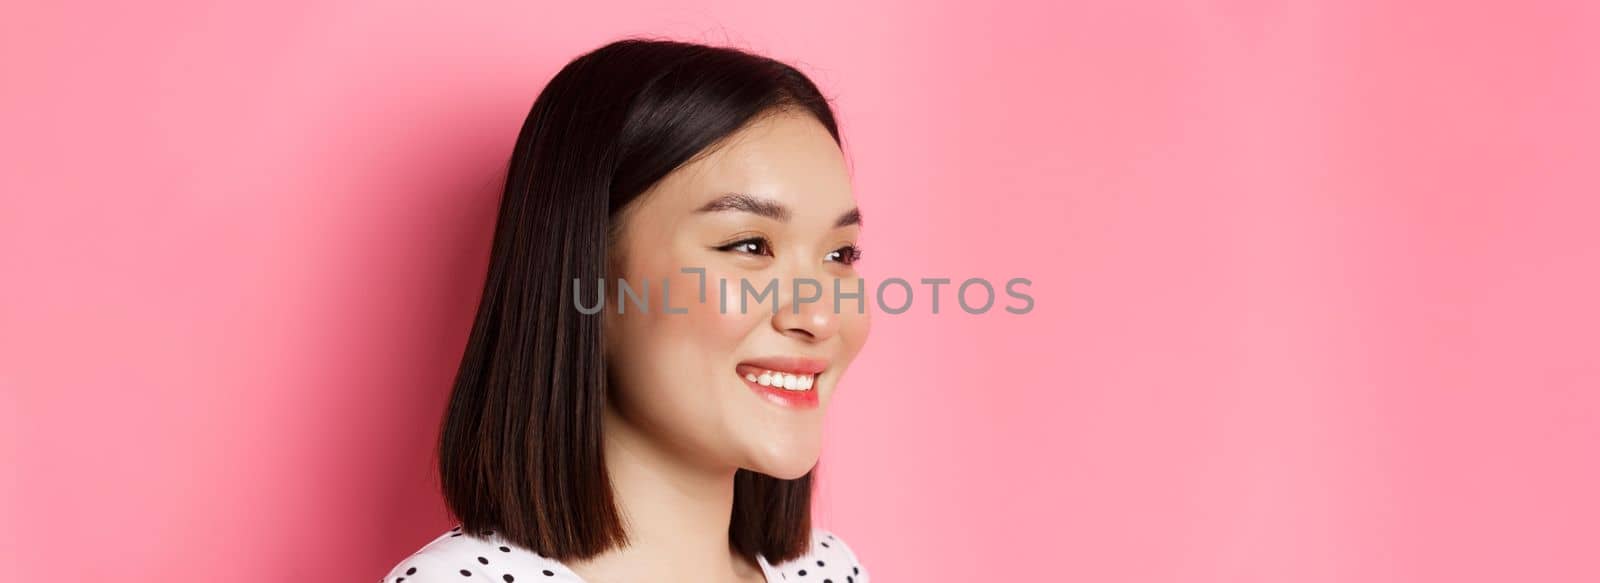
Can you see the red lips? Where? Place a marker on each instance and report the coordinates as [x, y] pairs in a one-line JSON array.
[[794, 365], [790, 364]]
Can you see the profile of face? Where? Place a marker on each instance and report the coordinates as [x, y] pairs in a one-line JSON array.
[[720, 385]]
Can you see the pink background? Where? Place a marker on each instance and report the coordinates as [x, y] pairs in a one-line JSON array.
[[1315, 281]]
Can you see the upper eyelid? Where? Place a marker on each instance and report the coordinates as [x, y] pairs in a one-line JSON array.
[[854, 250], [768, 243], [750, 239]]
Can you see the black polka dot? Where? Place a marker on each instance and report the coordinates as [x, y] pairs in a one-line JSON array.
[[466, 573], [802, 573], [856, 570], [849, 579], [509, 578], [547, 573], [827, 581], [411, 571], [505, 549], [820, 564], [824, 545], [398, 580], [456, 534]]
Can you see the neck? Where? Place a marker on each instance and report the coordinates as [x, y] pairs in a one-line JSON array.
[[676, 514]]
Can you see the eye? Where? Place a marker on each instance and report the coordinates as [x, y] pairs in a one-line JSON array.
[[750, 246], [848, 255]]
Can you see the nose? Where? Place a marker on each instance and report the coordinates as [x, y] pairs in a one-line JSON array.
[[809, 320]]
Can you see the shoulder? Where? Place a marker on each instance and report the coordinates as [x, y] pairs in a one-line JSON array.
[[828, 559], [459, 557]]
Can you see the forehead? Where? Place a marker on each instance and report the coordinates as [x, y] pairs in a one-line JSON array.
[[787, 157]]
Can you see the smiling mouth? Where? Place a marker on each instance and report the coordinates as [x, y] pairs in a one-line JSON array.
[[785, 375], [788, 381]]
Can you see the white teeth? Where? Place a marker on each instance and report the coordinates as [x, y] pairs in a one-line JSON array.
[[786, 381]]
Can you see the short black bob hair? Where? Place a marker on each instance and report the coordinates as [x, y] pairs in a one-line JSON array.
[[520, 445]]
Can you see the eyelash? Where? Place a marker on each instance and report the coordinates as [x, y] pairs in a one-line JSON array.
[[852, 253]]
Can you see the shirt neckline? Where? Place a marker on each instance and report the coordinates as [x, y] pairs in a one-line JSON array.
[[768, 572]]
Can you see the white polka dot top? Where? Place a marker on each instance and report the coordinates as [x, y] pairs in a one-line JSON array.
[[458, 557]]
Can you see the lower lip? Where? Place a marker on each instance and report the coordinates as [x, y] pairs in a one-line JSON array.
[[806, 399]]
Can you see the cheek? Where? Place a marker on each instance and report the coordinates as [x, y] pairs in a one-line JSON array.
[[853, 330], [693, 330], [725, 322]]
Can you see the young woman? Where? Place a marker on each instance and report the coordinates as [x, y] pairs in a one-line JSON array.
[[699, 197]]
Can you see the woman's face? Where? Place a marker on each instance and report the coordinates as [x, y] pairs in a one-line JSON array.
[[770, 205]]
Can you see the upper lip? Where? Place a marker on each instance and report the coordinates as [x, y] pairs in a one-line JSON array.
[[790, 364]]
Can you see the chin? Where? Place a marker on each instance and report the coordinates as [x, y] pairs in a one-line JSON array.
[[787, 461], [786, 472]]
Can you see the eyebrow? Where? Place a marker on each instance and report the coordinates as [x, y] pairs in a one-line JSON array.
[[736, 201]]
